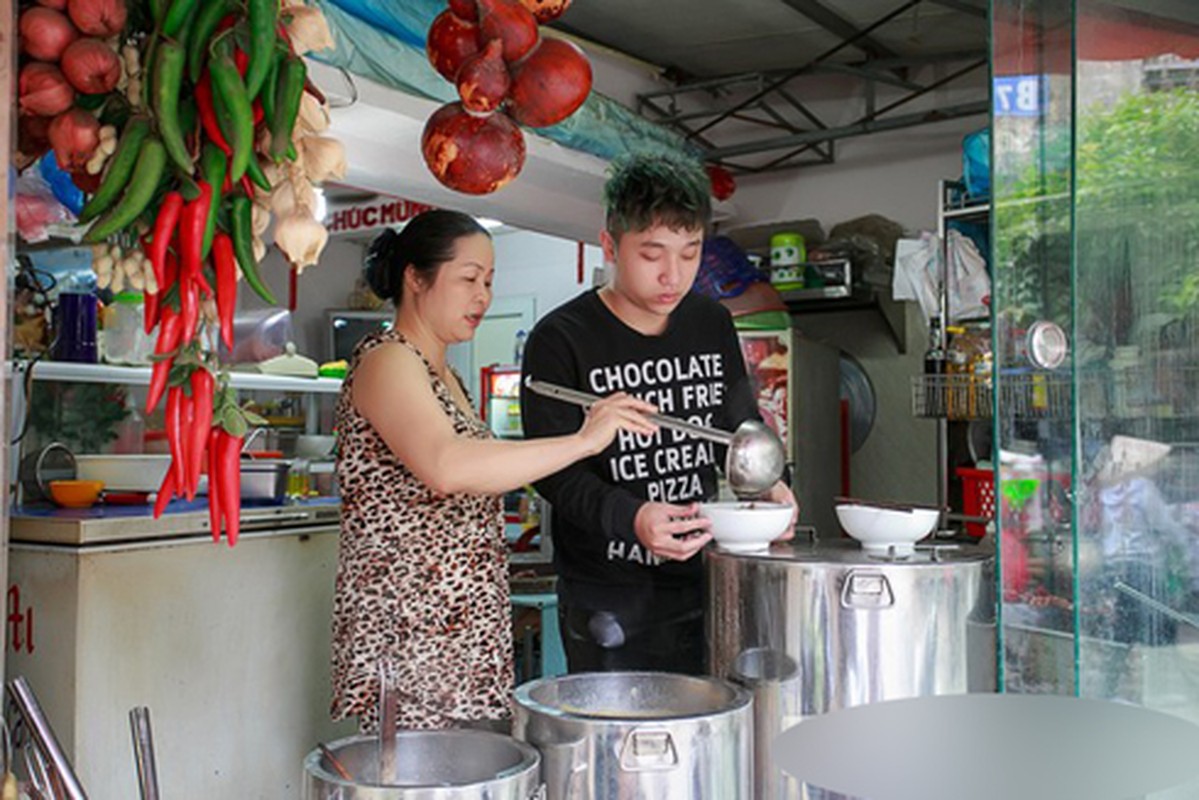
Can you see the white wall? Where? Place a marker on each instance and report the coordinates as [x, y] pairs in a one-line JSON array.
[[892, 174], [527, 264]]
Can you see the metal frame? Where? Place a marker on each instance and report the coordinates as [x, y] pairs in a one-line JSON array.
[[794, 136]]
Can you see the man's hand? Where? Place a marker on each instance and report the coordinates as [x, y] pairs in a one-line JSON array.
[[781, 493], [660, 527]]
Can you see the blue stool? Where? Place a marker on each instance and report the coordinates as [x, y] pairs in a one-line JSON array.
[[553, 658]]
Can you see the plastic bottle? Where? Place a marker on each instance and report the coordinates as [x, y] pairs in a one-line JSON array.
[[125, 339], [131, 431]]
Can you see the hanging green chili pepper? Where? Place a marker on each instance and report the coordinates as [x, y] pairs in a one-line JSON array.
[[214, 486], [202, 29], [226, 285], [229, 94], [241, 210], [146, 175], [168, 79], [257, 176], [176, 17], [229, 476], [264, 15], [120, 168], [212, 170], [267, 95], [288, 93]]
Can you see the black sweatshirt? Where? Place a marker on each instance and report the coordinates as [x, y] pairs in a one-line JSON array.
[[692, 370]]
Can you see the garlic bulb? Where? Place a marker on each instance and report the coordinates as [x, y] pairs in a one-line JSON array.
[[313, 116], [307, 29], [323, 158], [301, 238]]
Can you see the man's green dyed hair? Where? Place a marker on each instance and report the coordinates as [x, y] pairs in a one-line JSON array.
[[645, 190]]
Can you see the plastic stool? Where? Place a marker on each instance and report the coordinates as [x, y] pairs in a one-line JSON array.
[[553, 657]]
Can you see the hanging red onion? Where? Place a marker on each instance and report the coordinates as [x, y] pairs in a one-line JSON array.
[[45, 33], [450, 42], [43, 90], [33, 136], [74, 135], [549, 85], [510, 22], [465, 9], [483, 80], [546, 11], [91, 66], [101, 18], [472, 154]]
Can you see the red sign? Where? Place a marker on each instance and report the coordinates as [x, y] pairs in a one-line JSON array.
[[378, 213]]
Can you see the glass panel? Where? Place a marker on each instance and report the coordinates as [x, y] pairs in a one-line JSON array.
[[1137, 354], [1032, 177]]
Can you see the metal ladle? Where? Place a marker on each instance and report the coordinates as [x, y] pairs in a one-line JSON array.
[[755, 458]]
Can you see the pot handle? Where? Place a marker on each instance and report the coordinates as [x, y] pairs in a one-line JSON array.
[[866, 589], [648, 749]]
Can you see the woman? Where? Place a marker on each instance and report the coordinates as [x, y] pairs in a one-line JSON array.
[[422, 574]]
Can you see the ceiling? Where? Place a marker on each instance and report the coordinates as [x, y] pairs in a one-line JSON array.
[[747, 77]]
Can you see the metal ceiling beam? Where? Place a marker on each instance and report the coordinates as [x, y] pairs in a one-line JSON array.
[[838, 25], [847, 131], [818, 59], [963, 7]]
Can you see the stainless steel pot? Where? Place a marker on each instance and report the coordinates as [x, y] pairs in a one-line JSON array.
[[264, 479], [638, 736], [812, 628], [430, 765]]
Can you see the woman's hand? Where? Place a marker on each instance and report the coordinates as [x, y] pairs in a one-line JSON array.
[[614, 413]]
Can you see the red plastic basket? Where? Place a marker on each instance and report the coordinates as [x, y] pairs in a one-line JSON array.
[[978, 497]]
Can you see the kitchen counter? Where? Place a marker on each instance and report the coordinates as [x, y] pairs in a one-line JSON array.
[[123, 524], [228, 646]]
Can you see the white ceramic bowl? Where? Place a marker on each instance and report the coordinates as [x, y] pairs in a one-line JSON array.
[[746, 527], [882, 529]]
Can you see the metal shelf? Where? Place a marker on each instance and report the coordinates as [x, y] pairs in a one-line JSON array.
[[140, 376]]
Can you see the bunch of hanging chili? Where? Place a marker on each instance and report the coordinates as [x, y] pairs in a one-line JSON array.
[[221, 73]]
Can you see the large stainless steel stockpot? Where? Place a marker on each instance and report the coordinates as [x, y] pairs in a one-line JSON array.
[[816, 627], [430, 765], [638, 736]]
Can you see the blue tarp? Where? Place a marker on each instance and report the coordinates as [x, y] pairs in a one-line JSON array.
[[385, 42]]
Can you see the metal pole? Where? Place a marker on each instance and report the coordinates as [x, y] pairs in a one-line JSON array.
[[143, 752], [44, 739]]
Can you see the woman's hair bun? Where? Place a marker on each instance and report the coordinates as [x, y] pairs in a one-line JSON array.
[[382, 272]]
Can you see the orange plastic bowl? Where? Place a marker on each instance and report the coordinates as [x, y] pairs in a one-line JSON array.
[[76, 494]]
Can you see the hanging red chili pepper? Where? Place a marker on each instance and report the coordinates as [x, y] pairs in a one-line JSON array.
[[174, 429], [202, 386], [165, 492], [164, 230], [168, 339], [226, 284], [214, 485], [208, 118], [229, 476]]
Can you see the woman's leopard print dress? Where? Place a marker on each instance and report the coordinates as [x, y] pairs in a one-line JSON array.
[[422, 580]]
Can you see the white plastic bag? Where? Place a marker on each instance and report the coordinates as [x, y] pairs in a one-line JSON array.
[[917, 272], [969, 283]]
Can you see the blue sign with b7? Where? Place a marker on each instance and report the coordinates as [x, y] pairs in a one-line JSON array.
[[1019, 95]]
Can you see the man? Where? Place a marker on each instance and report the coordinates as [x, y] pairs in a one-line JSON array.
[[624, 522]]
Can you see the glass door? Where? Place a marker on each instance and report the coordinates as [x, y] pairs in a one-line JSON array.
[[1096, 232]]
